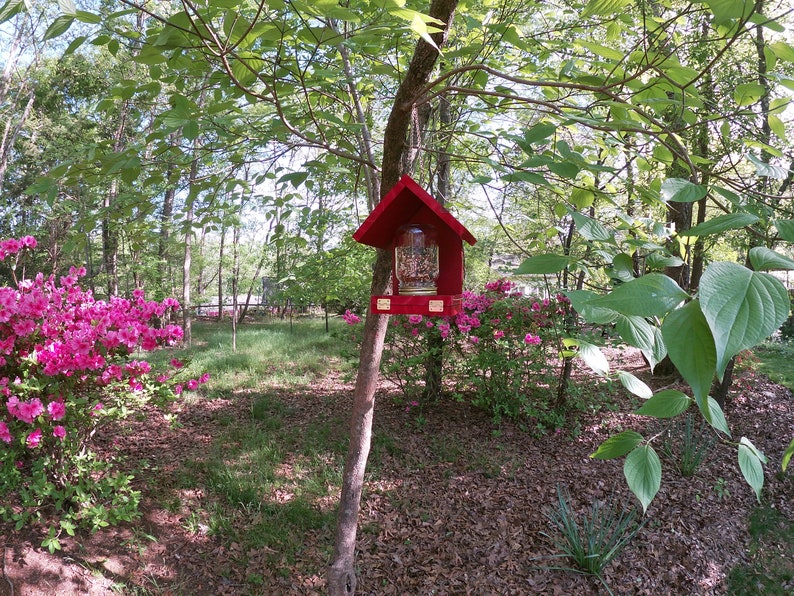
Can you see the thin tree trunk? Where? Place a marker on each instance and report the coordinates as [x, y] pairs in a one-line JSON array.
[[220, 273], [341, 573]]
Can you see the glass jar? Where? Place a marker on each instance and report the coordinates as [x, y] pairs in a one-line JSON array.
[[416, 259]]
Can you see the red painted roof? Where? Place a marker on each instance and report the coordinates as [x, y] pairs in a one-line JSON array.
[[404, 202]]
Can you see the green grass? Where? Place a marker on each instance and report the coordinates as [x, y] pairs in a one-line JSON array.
[[776, 360], [265, 483], [771, 567]]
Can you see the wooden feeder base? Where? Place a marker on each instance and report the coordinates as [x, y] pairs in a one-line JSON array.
[[440, 305]]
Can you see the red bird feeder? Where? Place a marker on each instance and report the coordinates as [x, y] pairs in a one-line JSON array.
[[427, 242]]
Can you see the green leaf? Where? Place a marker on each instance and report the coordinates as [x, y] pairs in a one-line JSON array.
[[728, 10], [582, 302], [635, 331], [592, 229], [782, 50], [680, 190], [11, 8], [593, 357], [746, 94], [777, 126], [622, 267], [785, 228], [714, 415], [581, 198], [742, 307], [617, 445], [665, 404], [536, 134], [59, 26], [651, 295], [765, 259], [766, 170], [604, 7], [690, 346], [787, 456], [543, 264], [723, 223], [657, 352], [643, 472], [634, 385], [601, 50], [750, 463]]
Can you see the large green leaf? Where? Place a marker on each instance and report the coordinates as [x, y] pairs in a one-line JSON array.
[[767, 170], [635, 331], [583, 303], [59, 26], [651, 295], [762, 258], [617, 445], [714, 415], [723, 223], [543, 264], [643, 472], [680, 190], [634, 385], [750, 463], [592, 229], [593, 357], [690, 346], [742, 307], [668, 403], [658, 351], [785, 227]]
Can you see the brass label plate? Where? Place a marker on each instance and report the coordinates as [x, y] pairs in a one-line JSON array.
[[435, 306], [383, 304]]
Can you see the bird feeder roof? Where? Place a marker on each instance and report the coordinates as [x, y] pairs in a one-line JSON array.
[[406, 202]]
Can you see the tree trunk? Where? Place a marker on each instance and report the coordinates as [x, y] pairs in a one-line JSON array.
[[341, 573], [434, 362]]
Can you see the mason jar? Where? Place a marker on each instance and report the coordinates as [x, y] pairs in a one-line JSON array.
[[416, 259]]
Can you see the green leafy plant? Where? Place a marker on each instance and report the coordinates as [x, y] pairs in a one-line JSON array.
[[593, 539]]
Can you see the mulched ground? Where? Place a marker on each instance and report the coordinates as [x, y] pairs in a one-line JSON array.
[[432, 522]]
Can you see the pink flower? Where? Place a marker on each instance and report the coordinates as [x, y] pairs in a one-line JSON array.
[[532, 339], [96, 409], [178, 389], [56, 409], [28, 242], [192, 384], [204, 378], [350, 317], [177, 363], [34, 439], [59, 432], [415, 319], [5, 434], [498, 334], [474, 339], [27, 411]]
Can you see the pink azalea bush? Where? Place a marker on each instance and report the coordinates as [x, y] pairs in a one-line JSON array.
[[67, 366], [501, 352]]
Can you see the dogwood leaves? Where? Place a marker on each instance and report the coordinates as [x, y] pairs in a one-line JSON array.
[[742, 307], [735, 309]]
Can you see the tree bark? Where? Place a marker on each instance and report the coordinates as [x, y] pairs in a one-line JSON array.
[[341, 573]]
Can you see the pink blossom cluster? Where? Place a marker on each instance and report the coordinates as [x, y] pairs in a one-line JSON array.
[[350, 317], [12, 246], [499, 313], [62, 350]]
